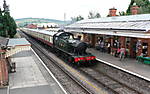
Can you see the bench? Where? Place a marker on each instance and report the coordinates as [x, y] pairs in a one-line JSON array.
[[145, 60]]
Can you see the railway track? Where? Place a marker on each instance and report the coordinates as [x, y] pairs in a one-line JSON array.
[[129, 80], [71, 85], [108, 82], [101, 79]]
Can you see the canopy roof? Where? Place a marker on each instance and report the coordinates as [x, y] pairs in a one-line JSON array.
[[133, 22], [130, 18], [124, 24], [18, 42]]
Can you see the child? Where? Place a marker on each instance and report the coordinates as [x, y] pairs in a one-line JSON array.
[[122, 53]]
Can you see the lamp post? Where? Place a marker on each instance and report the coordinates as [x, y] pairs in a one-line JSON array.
[[5, 6]]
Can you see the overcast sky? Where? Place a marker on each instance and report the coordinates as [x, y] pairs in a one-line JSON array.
[[55, 9]]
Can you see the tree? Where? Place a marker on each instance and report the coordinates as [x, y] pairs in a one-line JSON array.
[[122, 13], [93, 15], [143, 4], [97, 15], [2, 24], [129, 7], [78, 18], [9, 25]]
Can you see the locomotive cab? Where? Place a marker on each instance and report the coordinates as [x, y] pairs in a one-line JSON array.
[[62, 40]]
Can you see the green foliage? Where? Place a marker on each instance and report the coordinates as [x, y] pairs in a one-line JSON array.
[[93, 15], [78, 18], [7, 25], [122, 13], [25, 21], [97, 15], [129, 7], [143, 4]]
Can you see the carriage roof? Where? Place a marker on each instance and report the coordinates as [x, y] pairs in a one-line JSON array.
[[51, 33]]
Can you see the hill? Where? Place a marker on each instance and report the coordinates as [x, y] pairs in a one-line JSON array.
[[25, 21]]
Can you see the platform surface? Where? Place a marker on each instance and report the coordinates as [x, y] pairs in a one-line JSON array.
[[31, 77], [128, 64], [3, 90]]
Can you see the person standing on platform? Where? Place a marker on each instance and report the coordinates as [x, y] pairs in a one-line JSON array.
[[122, 53], [102, 46], [108, 47]]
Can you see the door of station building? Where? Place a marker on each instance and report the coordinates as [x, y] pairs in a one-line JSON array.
[[132, 47]]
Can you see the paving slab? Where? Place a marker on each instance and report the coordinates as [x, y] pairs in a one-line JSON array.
[[33, 90], [3, 90]]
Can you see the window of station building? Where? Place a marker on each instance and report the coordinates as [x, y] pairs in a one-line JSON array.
[[116, 43], [127, 46], [99, 38], [145, 49], [107, 38], [86, 39], [127, 42]]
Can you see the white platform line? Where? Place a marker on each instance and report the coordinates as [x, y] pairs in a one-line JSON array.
[[50, 72], [138, 75], [8, 90]]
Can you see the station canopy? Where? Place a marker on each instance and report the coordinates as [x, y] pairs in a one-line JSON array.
[[18, 42], [130, 26]]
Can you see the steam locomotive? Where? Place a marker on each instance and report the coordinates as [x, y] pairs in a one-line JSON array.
[[64, 43]]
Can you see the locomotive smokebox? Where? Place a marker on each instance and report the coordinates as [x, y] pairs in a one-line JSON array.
[[81, 48]]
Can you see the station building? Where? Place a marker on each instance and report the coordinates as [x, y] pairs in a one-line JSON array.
[[131, 32], [9, 47]]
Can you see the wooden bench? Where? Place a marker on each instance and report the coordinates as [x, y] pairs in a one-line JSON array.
[[3, 73]]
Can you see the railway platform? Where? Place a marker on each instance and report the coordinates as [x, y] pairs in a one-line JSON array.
[[31, 77], [128, 64]]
